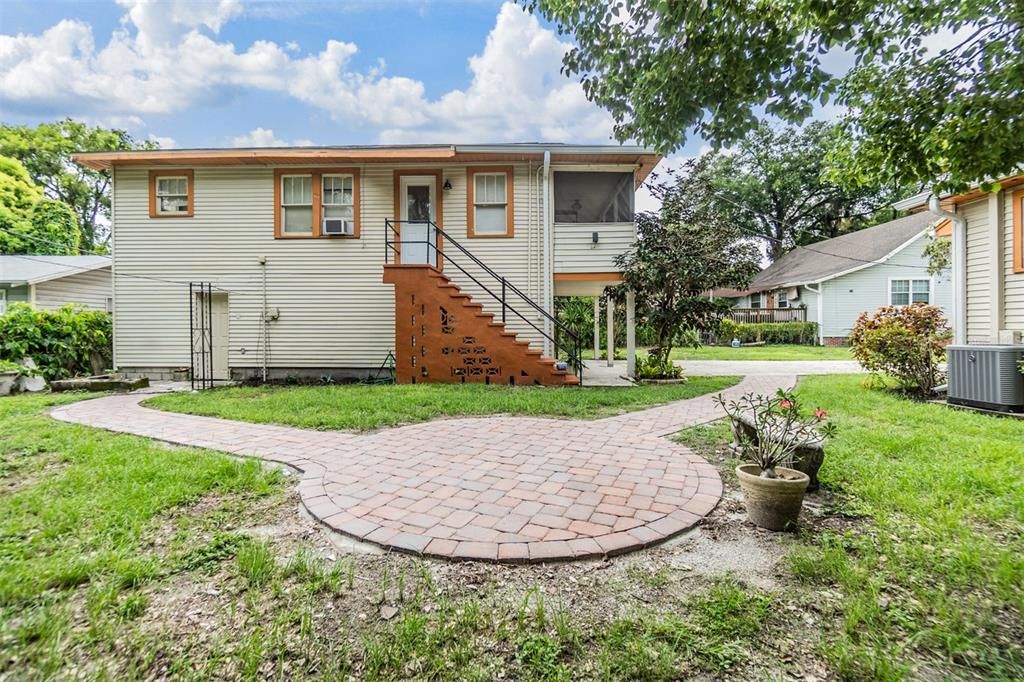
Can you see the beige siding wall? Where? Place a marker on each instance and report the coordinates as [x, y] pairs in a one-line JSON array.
[[575, 250], [978, 273], [334, 309], [1013, 282], [90, 289]]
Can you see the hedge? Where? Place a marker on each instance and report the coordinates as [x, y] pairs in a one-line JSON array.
[[768, 332], [65, 342]]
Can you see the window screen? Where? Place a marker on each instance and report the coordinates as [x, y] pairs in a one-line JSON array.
[[338, 198], [172, 195], [593, 197]]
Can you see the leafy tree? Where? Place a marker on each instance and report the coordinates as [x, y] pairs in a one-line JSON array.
[[54, 229], [717, 69], [30, 223], [46, 152], [776, 188], [17, 196], [688, 248]]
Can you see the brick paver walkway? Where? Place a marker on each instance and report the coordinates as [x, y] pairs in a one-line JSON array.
[[493, 488]]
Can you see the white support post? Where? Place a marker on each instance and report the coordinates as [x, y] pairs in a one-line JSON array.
[[610, 341], [597, 327], [630, 334]]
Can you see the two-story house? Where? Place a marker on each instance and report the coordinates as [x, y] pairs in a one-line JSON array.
[[322, 261]]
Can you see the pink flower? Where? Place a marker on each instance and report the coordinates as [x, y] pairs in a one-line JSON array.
[[820, 414], [786, 404]]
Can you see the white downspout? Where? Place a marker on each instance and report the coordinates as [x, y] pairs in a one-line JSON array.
[[548, 295], [820, 312], [959, 268]]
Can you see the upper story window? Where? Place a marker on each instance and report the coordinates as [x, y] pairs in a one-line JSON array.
[[755, 300], [316, 203], [593, 197], [907, 291], [781, 299], [489, 202], [170, 194], [297, 204]]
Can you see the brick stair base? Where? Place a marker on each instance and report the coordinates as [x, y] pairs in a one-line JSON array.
[[443, 336]]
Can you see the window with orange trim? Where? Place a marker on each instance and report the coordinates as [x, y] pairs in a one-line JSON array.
[[170, 194], [489, 209], [316, 203], [1018, 231]]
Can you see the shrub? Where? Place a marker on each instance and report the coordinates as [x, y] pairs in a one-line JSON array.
[[62, 342], [905, 342], [768, 332], [657, 366]]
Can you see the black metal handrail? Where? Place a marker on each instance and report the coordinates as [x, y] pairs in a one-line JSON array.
[[573, 350]]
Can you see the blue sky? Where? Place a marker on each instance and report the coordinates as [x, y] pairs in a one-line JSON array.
[[219, 73]]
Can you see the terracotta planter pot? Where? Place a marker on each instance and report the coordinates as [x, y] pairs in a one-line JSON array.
[[772, 503]]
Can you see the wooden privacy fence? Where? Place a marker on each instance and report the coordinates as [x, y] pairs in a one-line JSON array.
[[759, 315]]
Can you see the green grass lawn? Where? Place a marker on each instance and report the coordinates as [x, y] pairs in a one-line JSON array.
[[777, 352], [932, 584], [354, 406], [124, 558], [783, 351]]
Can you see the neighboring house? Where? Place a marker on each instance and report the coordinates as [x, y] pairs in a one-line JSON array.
[[53, 281], [302, 256], [988, 260], [832, 282]]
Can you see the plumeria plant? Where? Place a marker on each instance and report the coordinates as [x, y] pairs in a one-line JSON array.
[[779, 427]]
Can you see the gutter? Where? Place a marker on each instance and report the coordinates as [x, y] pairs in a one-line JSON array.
[[547, 251], [959, 268]]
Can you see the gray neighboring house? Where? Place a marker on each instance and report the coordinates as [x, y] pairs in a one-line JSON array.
[[838, 279], [50, 282]]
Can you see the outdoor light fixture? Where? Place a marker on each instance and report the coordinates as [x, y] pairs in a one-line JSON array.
[[447, 185]]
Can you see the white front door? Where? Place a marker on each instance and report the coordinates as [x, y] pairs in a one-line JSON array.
[[417, 211]]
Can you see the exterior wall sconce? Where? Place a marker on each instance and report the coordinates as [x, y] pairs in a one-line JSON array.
[[447, 185], [594, 236]]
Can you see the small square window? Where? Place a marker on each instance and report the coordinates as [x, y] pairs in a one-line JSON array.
[[907, 291], [170, 194]]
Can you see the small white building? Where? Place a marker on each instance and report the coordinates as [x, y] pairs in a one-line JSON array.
[[833, 281], [49, 282]]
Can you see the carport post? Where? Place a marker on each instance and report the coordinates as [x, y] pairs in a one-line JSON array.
[[610, 341], [630, 333], [597, 327]]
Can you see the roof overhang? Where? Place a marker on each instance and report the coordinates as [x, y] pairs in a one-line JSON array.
[[642, 159], [919, 202]]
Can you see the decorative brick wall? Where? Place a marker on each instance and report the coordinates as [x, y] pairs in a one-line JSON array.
[[442, 336]]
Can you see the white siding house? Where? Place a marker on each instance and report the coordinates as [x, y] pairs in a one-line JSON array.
[[309, 304], [50, 282], [988, 238], [836, 280]]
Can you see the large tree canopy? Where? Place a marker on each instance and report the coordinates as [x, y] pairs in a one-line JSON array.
[[913, 115], [776, 187], [46, 151]]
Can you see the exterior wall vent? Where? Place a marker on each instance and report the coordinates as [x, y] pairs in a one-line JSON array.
[[986, 377]]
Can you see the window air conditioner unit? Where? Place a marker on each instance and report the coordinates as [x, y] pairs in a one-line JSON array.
[[986, 377], [339, 227]]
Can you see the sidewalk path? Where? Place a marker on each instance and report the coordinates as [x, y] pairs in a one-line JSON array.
[[492, 488]]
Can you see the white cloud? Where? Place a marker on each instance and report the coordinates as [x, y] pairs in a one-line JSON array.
[[265, 137], [164, 60], [164, 142]]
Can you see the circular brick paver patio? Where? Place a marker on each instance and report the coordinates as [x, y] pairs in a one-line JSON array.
[[495, 488]]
